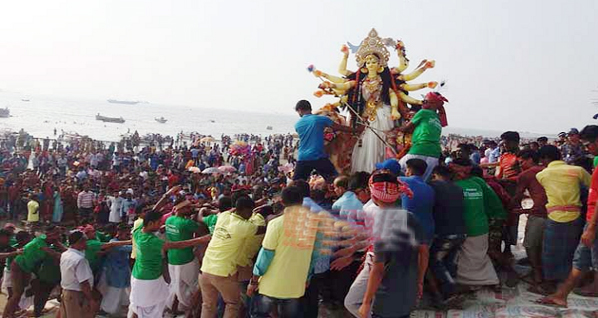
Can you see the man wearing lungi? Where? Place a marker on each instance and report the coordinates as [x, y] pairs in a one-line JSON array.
[[586, 255], [183, 266], [564, 225], [149, 290], [474, 267]]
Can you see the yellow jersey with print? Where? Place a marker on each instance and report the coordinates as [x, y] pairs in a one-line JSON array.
[[230, 233], [291, 237]]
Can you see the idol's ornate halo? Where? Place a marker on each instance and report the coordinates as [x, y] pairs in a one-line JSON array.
[[372, 44]]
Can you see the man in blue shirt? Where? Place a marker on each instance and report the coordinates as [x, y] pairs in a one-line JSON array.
[[310, 129], [422, 202], [116, 279]]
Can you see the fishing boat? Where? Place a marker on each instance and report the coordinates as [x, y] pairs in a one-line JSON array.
[[269, 128], [110, 119], [126, 102], [4, 113], [161, 120], [25, 100]]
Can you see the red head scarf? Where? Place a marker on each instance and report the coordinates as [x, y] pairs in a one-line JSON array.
[[437, 100], [389, 192]]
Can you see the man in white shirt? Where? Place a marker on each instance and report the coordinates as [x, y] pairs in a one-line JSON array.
[[115, 207], [77, 280]]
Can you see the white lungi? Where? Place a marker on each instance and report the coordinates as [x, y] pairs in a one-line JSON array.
[[113, 298], [148, 297], [183, 282]]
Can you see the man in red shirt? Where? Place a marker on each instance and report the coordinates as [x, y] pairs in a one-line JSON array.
[[534, 229], [586, 255], [507, 172]]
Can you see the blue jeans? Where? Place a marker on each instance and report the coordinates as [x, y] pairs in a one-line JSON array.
[[287, 308], [442, 261]]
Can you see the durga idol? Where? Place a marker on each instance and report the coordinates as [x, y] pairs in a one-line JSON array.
[[370, 93]]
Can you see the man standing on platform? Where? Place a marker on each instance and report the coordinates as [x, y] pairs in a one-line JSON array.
[[426, 126], [310, 129]]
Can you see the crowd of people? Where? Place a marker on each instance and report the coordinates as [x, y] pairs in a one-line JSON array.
[[146, 231]]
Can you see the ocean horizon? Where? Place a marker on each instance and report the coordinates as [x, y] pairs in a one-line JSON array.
[[40, 115]]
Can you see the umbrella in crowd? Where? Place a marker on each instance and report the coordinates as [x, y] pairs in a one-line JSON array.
[[210, 170], [194, 169], [227, 169]]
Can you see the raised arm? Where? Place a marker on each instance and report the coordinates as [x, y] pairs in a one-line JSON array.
[[342, 68], [164, 198], [52, 253], [10, 254], [187, 243], [334, 79], [424, 65], [344, 85], [107, 246], [415, 87]]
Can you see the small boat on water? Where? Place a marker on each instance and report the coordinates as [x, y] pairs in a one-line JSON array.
[[4, 113], [269, 128], [161, 120], [212, 121], [24, 100], [126, 102], [110, 119]]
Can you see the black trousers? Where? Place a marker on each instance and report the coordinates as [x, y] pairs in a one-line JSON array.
[[322, 166]]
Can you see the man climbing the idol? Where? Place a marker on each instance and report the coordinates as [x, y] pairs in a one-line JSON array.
[[426, 126], [310, 129]]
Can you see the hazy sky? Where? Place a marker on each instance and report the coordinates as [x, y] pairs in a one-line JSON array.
[[521, 64]]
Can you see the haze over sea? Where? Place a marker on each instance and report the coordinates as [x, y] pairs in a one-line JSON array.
[[42, 114]]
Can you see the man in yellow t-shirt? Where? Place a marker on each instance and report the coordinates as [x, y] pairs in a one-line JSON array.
[[284, 263], [137, 224], [32, 210], [219, 267], [564, 224]]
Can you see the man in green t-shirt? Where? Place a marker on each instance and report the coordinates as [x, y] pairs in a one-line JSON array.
[[149, 289], [474, 267], [33, 255], [183, 266], [95, 249], [426, 128], [20, 240]]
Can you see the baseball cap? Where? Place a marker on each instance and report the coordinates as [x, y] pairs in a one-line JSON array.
[[389, 164], [573, 131], [562, 134]]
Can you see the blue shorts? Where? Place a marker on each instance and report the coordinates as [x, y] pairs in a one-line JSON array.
[[586, 258]]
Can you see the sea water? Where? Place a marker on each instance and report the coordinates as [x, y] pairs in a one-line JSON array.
[[42, 114]]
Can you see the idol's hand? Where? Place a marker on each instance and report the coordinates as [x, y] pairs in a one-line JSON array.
[[395, 115], [345, 50]]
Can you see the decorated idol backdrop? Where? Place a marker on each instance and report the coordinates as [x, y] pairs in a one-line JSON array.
[[377, 95]]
